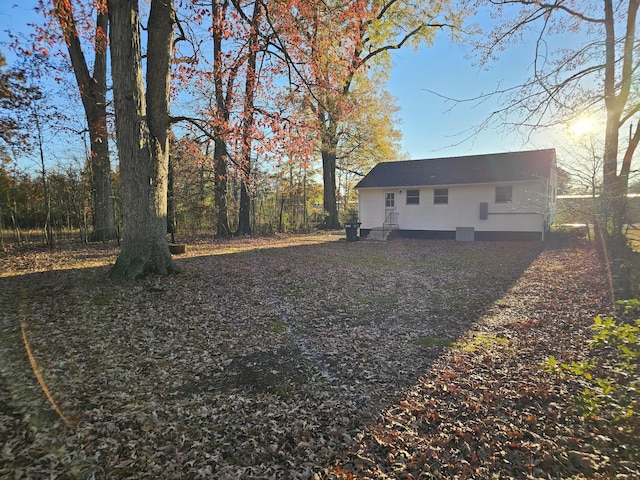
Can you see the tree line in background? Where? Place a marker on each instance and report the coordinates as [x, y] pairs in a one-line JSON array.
[[287, 200]]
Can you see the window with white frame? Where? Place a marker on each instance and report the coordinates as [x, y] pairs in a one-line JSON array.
[[440, 196], [413, 197]]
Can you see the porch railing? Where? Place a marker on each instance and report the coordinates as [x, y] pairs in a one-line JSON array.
[[390, 221]]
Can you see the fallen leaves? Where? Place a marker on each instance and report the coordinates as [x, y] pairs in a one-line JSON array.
[[305, 357], [486, 408]]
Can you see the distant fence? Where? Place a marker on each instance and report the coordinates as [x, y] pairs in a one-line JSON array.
[[580, 208]]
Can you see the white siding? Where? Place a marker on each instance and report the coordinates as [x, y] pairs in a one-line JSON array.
[[524, 214]]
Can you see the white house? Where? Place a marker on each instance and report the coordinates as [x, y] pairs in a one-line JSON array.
[[476, 197]]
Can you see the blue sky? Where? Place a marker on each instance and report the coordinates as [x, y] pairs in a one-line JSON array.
[[431, 126], [435, 127]]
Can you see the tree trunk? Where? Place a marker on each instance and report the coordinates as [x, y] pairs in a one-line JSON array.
[[95, 101], [102, 194], [142, 126], [218, 15], [244, 217], [328, 148], [48, 234], [220, 188], [93, 92], [171, 201], [14, 221], [1, 231], [329, 189], [616, 95], [251, 81], [280, 212]]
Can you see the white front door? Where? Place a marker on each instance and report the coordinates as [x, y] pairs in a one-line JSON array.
[[390, 215]]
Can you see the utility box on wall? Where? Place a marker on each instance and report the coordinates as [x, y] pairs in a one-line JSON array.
[[484, 210]]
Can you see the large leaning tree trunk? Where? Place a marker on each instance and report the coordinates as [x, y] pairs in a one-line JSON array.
[[617, 89], [142, 134], [93, 92]]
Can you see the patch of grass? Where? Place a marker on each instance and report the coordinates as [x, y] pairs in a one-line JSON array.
[[383, 302], [363, 299], [483, 341], [299, 289], [282, 391], [432, 342], [278, 327], [101, 300]]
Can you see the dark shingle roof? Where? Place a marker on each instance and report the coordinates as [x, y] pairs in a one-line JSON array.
[[490, 168]]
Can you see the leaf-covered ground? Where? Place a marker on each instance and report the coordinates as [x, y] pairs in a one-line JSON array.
[[304, 357]]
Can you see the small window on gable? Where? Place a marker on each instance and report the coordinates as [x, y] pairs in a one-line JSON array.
[[440, 196], [413, 197], [504, 194]]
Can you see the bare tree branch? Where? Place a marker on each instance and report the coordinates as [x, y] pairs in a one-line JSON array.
[[558, 5]]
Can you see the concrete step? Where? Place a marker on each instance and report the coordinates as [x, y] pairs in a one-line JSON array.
[[380, 233]]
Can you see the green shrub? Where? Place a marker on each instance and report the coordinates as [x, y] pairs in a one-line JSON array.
[[614, 388]]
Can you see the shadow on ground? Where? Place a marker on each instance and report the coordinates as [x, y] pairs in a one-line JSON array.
[[252, 364]]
